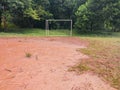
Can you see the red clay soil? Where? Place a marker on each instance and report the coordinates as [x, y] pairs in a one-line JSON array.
[[47, 68]]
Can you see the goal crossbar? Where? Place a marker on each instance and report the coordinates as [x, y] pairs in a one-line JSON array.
[[61, 20]]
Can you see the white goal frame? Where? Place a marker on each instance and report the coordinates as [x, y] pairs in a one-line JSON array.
[[58, 20]]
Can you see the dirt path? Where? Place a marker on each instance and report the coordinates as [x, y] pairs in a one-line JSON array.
[[47, 68]]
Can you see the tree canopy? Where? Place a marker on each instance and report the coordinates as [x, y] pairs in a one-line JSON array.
[[88, 15]]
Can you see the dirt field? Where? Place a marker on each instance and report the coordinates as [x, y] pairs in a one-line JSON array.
[[47, 66]]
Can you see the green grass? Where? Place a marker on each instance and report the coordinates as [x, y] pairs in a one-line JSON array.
[[59, 32], [22, 32], [96, 34], [32, 32], [41, 32], [104, 59]]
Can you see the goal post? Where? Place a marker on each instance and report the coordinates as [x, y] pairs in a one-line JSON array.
[[47, 25]]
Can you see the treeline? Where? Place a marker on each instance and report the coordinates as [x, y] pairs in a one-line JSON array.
[[87, 15]]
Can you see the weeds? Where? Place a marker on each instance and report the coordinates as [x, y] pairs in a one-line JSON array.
[[28, 55], [81, 68]]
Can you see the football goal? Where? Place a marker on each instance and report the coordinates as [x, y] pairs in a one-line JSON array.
[[58, 27]]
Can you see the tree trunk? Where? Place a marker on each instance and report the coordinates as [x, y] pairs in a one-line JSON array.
[[0, 22], [91, 26], [4, 23], [0, 18], [31, 23]]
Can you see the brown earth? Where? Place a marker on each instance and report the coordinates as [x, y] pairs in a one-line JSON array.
[[47, 68]]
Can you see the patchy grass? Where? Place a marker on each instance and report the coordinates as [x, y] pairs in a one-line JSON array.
[[104, 59], [80, 68]]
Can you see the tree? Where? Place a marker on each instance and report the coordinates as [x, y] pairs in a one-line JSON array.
[[7, 9], [63, 9], [24, 14], [87, 14], [94, 15], [42, 8], [86, 17], [0, 15], [112, 15], [43, 3], [3, 13]]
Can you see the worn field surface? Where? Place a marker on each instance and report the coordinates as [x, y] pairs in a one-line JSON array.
[[43, 63]]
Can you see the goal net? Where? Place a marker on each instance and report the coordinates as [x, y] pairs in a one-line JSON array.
[[58, 27]]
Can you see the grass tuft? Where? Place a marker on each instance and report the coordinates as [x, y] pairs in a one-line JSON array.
[[28, 55], [83, 67]]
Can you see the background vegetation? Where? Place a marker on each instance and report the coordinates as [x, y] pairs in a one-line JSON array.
[[87, 15]]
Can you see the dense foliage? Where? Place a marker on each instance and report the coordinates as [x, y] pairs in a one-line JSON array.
[[99, 15], [87, 15]]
